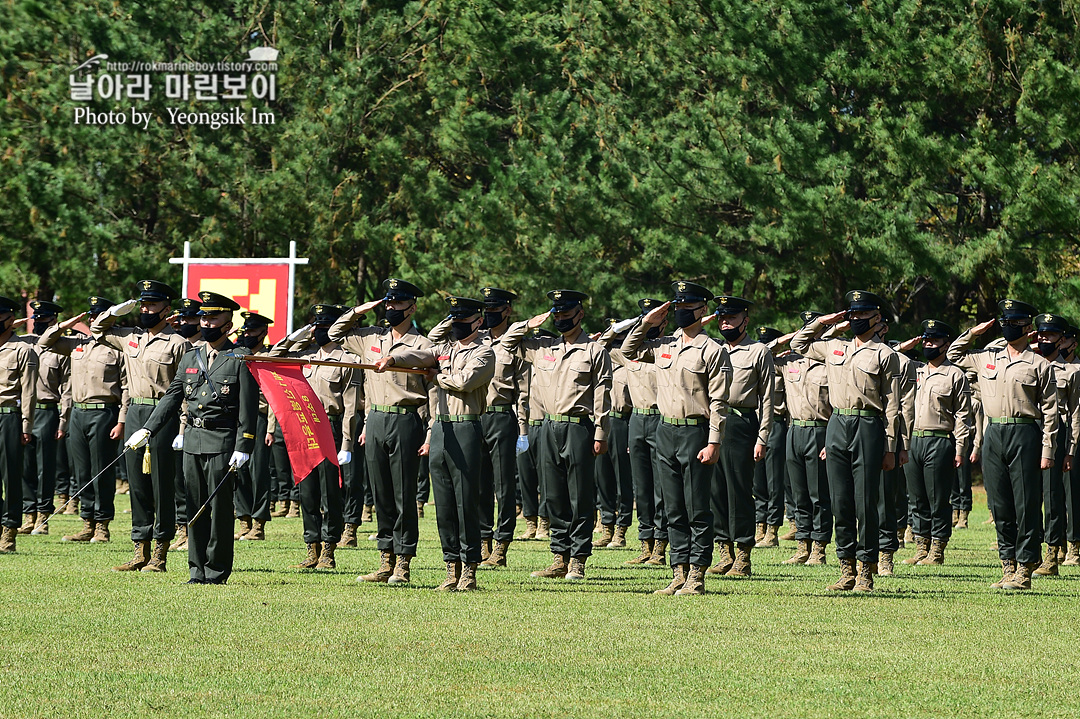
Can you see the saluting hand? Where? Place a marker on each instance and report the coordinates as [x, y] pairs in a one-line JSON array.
[[711, 317], [72, 321], [657, 316], [833, 318], [784, 339], [20, 322], [983, 327], [910, 344], [367, 307], [539, 320], [843, 326]]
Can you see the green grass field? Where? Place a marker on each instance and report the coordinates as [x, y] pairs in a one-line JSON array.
[[81, 641]]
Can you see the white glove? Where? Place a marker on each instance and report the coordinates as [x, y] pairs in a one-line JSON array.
[[178, 442], [523, 444], [123, 308], [141, 437], [238, 460], [344, 457], [623, 325], [301, 334]]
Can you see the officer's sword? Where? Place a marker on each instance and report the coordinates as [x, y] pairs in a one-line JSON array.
[[75, 496], [211, 497]]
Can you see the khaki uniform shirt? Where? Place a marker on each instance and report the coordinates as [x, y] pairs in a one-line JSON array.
[[505, 386], [863, 377], [1067, 375], [943, 402], [978, 419], [371, 344], [338, 388], [574, 377], [752, 382], [806, 385], [18, 379], [465, 371], [908, 387], [98, 373], [640, 379], [1021, 386], [54, 379], [692, 375], [151, 359]]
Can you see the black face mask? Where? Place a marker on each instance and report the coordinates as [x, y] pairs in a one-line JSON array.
[[150, 320], [461, 330], [493, 319], [565, 325], [931, 353], [40, 326], [188, 331], [1047, 348], [685, 318], [321, 335], [653, 332], [860, 327], [731, 334], [395, 317], [248, 341], [1011, 333], [213, 334]]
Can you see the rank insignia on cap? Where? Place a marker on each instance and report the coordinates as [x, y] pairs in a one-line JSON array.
[[682, 287], [856, 295], [487, 292], [146, 284], [723, 300], [453, 302], [93, 300], [931, 323], [762, 330], [557, 295], [318, 309], [393, 284], [1008, 304]]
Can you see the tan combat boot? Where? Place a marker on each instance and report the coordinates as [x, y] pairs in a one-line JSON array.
[[1072, 556], [678, 579], [101, 533], [955, 516], [123, 486], [245, 527], [385, 570], [817, 555], [643, 556], [741, 566], [326, 557], [419, 510], [557, 570], [401, 570], [846, 582], [158, 558], [789, 536], [962, 519], [497, 558], [72, 506], [257, 533], [885, 564], [85, 535], [41, 527], [905, 537], [485, 549], [294, 511], [530, 530], [769, 540], [543, 528], [864, 582], [61, 503], [1008, 568], [802, 553], [1021, 578], [29, 521], [607, 533], [518, 511], [312, 558], [467, 583], [453, 574], [990, 519], [922, 550], [348, 536], [619, 540], [7, 540], [180, 543], [759, 532], [139, 559], [278, 512], [936, 555], [367, 514], [576, 571], [659, 553], [726, 559], [1049, 566], [695, 582]]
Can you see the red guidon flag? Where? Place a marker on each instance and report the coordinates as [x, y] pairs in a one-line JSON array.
[[301, 415]]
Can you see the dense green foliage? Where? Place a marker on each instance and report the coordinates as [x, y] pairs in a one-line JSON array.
[[781, 150]]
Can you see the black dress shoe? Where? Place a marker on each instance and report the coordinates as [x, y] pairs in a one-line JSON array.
[[214, 581], [194, 581]]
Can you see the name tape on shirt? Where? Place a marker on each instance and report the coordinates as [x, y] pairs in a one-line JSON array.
[[443, 357], [838, 353], [133, 343], [665, 356], [549, 358], [192, 370], [375, 349], [991, 366]]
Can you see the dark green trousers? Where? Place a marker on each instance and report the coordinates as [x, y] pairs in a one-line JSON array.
[[423, 480], [890, 501], [354, 477], [39, 462], [1011, 457], [614, 487], [320, 497], [642, 437], [769, 476], [457, 450], [287, 488], [64, 482], [180, 495], [960, 496], [498, 475], [1072, 502], [210, 539], [854, 448], [153, 500], [391, 445], [686, 485], [529, 475], [566, 466], [252, 496], [1055, 522], [91, 451], [931, 474], [733, 481], [11, 469], [809, 484]]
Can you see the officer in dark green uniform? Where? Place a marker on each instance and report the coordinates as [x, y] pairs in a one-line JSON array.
[[222, 405], [186, 324], [253, 491]]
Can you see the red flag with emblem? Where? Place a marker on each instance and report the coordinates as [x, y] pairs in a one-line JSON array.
[[303, 419]]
